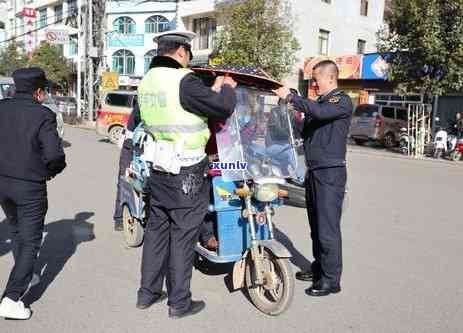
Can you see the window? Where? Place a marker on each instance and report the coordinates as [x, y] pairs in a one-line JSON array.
[[58, 13], [148, 57], [73, 47], [323, 42], [124, 62], [124, 25], [364, 7], [122, 100], [205, 29], [387, 112], [361, 45], [42, 17], [2, 25], [366, 110], [401, 114], [156, 24], [21, 25], [72, 7]]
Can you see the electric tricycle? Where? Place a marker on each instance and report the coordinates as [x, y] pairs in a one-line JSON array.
[[256, 151]]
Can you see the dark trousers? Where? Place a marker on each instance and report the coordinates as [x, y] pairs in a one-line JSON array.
[[25, 205], [325, 189], [178, 206], [124, 162]]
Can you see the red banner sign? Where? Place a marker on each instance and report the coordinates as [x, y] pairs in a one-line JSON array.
[[29, 12]]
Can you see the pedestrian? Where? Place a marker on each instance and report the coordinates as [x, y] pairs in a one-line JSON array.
[[325, 131], [125, 158], [174, 106], [31, 154]]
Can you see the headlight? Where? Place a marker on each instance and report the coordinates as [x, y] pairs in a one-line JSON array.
[[266, 192]]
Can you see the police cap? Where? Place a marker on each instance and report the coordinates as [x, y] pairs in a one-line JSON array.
[[179, 37], [28, 80]]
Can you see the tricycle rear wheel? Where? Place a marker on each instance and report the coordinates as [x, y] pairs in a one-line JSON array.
[[133, 230], [275, 295]]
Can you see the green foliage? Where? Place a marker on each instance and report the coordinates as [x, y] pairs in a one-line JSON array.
[[12, 57], [428, 33], [257, 33], [50, 58]]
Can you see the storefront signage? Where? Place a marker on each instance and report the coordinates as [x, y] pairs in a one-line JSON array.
[[374, 67], [349, 66], [125, 40]]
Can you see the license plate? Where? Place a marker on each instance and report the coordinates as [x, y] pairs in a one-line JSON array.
[[261, 219]]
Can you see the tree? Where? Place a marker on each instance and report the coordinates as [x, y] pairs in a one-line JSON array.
[[50, 58], [257, 33], [12, 58], [426, 41]]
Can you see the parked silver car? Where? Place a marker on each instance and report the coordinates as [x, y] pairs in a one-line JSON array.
[[380, 123], [7, 89]]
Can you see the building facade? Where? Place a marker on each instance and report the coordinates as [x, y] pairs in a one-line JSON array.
[[131, 27], [32, 22], [337, 29], [3, 23]]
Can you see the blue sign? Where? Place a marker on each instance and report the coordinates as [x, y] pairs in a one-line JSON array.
[[374, 66], [125, 40]]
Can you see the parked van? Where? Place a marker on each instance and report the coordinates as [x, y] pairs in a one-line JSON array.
[[113, 113], [379, 123]]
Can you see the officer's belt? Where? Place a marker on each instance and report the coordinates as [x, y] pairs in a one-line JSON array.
[[178, 128]]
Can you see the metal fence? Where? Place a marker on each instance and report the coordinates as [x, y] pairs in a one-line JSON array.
[[419, 129]]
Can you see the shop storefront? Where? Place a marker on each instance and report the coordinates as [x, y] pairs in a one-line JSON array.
[[360, 76]]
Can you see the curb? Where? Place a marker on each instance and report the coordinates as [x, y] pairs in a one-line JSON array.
[[400, 156]]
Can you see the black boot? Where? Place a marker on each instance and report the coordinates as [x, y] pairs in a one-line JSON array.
[[194, 308], [146, 303], [323, 288]]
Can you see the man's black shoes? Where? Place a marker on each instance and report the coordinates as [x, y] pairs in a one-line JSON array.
[[194, 308], [322, 288], [118, 226], [305, 276], [146, 303]]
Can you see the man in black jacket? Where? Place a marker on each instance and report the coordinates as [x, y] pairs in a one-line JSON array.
[[31, 153], [325, 131]]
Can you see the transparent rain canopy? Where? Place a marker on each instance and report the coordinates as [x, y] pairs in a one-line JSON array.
[[257, 140]]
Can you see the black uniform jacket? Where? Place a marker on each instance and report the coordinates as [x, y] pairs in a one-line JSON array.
[[30, 148], [195, 97], [326, 127]]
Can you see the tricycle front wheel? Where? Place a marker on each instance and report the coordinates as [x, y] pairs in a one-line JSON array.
[[133, 230], [274, 296]]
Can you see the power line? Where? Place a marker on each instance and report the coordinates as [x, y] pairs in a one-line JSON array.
[[31, 31], [70, 14]]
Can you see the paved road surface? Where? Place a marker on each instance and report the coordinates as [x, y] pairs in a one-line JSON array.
[[403, 246]]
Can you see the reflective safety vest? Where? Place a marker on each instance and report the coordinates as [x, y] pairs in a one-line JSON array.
[[163, 114]]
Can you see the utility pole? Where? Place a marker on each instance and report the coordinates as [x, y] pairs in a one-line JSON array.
[[90, 53]]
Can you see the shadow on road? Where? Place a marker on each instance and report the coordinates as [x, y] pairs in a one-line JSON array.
[[61, 239], [297, 258], [104, 140]]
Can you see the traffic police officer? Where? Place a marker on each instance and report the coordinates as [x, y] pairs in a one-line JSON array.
[[174, 105], [325, 131], [31, 153]]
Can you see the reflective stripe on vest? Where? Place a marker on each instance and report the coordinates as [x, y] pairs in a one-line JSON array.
[[162, 112]]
